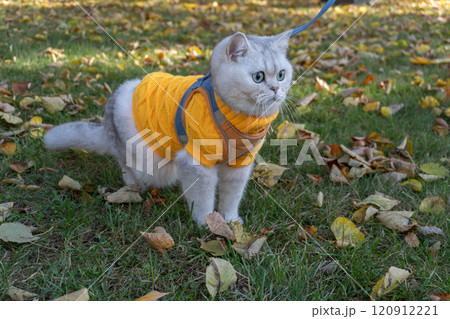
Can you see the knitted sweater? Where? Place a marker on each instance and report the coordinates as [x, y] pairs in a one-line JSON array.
[[155, 102]]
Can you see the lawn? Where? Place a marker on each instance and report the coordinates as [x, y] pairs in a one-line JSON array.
[[88, 242]]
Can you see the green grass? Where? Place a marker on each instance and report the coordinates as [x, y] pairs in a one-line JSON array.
[[80, 241]]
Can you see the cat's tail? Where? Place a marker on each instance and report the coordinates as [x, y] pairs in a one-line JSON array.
[[80, 135]]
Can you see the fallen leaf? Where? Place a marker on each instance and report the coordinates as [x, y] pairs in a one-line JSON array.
[[240, 235], [127, 194], [420, 60], [380, 200], [388, 111], [336, 175], [305, 101], [266, 231], [286, 130], [322, 85], [440, 297], [216, 247], [5, 210], [16, 232], [389, 282], [268, 174], [219, 226], [315, 179], [430, 230], [430, 178], [18, 294], [394, 176], [26, 101], [8, 148], [434, 169], [363, 214], [329, 268], [412, 240], [371, 107], [9, 118], [79, 295], [351, 101], [346, 232], [414, 184], [220, 275], [250, 249], [428, 101], [27, 187], [53, 104], [422, 49], [432, 204], [20, 87], [7, 108], [152, 296], [435, 249], [368, 79], [397, 220], [67, 183], [160, 239], [319, 200], [19, 167], [306, 232]]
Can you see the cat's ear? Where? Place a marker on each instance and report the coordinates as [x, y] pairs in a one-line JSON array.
[[281, 40], [237, 46]]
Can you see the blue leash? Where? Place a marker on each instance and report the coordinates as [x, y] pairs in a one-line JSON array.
[[324, 9]]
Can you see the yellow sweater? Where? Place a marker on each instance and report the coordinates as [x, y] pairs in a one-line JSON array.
[[155, 102]]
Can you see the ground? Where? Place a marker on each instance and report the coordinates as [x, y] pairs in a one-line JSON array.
[[80, 240]]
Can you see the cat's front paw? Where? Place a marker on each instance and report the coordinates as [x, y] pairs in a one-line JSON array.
[[234, 218]]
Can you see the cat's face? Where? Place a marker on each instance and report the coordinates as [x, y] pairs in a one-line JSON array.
[[251, 74]]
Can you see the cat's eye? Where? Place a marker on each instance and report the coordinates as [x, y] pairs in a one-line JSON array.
[[281, 75], [258, 77]]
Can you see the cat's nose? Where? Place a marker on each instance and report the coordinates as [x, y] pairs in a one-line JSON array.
[[274, 89]]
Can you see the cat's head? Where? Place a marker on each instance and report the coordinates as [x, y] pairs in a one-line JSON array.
[[252, 74]]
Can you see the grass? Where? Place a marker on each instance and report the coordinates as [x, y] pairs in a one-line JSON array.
[[81, 240]]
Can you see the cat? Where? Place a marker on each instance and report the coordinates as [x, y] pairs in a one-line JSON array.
[[250, 75]]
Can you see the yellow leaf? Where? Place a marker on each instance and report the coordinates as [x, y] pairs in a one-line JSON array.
[[434, 169], [345, 231], [322, 85], [127, 194], [241, 236], [420, 60], [380, 200], [53, 104], [8, 148], [152, 296], [422, 49], [428, 101], [350, 101], [371, 107], [36, 120], [220, 275], [389, 282], [432, 204], [215, 247], [268, 174], [286, 130], [414, 184]]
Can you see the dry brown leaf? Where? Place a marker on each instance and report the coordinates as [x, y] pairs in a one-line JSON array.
[[219, 226], [160, 239], [336, 175], [368, 79], [19, 167], [434, 250], [412, 240], [20, 87], [315, 179], [306, 232], [440, 297], [152, 296], [305, 101]]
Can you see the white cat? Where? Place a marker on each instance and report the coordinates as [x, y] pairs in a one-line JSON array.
[[250, 74]]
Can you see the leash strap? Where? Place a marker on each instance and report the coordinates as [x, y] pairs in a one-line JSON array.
[[324, 9]]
